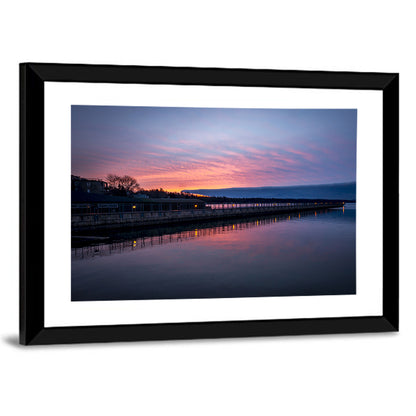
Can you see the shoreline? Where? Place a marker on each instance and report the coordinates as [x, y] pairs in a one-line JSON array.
[[99, 222]]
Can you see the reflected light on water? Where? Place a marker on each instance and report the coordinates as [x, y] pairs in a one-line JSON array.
[[258, 256], [154, 237]]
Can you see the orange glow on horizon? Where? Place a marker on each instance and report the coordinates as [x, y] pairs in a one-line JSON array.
[[217, 176], [212, 174], [178, 148]]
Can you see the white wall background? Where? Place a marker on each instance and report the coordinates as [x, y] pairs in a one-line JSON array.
[[313, 375]]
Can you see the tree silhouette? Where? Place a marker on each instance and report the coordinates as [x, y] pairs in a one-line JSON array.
[[122, 184]]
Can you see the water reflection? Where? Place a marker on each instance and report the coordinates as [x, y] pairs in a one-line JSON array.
[[132, 240], [307, 253]]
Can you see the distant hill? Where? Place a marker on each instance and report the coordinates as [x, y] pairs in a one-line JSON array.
[[340, 191]]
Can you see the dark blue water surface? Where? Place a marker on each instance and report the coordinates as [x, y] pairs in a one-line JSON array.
[[309, 253]]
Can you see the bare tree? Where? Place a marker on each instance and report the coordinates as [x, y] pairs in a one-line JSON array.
[[124, 183], [112, 181], [129, 184]]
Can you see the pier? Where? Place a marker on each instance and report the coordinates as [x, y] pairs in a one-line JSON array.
[[102, 221], [144, 238]]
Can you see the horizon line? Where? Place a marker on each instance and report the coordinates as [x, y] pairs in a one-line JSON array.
[[274, 186]]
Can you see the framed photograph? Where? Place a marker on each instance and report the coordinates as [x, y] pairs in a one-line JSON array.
[[176, 203]]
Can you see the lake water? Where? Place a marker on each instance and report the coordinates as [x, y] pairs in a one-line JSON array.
[[303, 254]]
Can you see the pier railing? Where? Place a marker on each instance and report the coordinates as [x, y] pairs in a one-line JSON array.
[[266, 205], [82, 222]]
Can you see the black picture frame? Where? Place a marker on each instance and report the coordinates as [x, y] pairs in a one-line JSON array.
[[32, 79]]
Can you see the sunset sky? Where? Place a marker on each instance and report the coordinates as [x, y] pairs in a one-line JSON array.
[[211, 148]]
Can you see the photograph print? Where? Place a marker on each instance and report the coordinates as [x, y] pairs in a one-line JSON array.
[[197, 203]]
